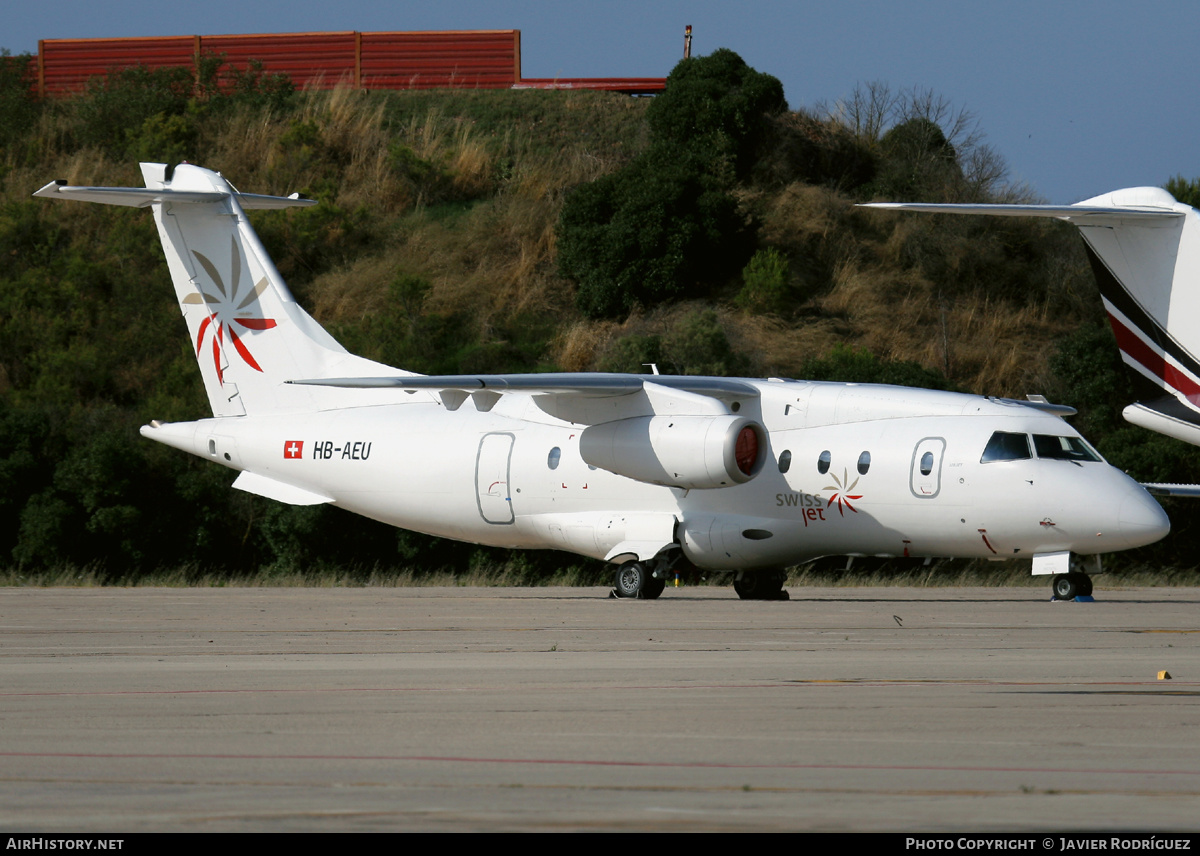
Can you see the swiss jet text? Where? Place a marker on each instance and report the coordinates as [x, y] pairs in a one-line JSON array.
[[812, 507]]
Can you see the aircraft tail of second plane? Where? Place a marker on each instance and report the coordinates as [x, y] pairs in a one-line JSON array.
[[1144, 248]]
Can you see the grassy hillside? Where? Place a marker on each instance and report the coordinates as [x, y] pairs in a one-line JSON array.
[[436, 248]]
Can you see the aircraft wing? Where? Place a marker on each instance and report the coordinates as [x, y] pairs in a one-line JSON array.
[[1038, 402], [1080, 214], [586, 397], [597, 384]]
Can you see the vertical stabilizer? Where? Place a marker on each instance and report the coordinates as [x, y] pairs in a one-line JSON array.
[[249, 334], [1144, 248]]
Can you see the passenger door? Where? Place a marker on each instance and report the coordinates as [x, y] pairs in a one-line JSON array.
[[925, 480]]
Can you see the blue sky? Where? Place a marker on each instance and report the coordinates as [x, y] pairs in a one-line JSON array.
[[1079, 97]]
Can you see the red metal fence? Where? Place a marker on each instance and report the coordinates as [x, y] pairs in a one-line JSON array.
[[463, 59]]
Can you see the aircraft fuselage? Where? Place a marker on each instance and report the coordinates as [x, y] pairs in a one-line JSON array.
[[849, 469]]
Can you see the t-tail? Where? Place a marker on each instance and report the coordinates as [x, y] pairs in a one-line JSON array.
[[1144, 248], [249, 334]]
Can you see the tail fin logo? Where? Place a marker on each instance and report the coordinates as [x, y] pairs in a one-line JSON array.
[[228, 310]]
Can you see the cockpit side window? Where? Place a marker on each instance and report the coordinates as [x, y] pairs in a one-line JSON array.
[[1063, 448], [1006, 446]]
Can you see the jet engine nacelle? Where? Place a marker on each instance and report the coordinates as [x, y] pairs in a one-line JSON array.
[[678, 451]]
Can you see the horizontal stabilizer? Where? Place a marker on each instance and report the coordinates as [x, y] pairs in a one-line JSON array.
[[1192, 491], [1168, 416], [1080, 214], [144, 197]]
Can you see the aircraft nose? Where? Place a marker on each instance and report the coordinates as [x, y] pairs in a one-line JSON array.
[[1143, 518]]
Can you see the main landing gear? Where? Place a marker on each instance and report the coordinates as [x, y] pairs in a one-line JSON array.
[[760, 585], [647, 579], [637, 579], [1072, 585]]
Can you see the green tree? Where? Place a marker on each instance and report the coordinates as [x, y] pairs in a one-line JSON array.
[[661, 229], [718, 104], [1185, 191], [918, 161]]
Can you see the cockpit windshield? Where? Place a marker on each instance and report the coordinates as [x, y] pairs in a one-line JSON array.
[[1006, 446], [1010, 446], [1063, 448]]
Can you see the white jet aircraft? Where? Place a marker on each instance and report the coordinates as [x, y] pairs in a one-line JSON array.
[[643, 471]]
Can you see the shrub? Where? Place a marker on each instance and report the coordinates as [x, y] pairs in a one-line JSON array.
[[661, 229], [17, 103], [696, 344], [858, 365], [800, 147], [765, 282]]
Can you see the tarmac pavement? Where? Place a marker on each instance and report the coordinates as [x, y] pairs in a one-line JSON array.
[[871, 709]]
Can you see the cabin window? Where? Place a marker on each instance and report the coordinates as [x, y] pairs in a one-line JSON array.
[[927, 463], [1006, 446], [823, 462], [864, 463], [553, 458], [785, 461], [1063, 448]]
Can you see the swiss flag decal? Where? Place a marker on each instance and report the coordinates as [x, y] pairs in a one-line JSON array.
[[293, 449]]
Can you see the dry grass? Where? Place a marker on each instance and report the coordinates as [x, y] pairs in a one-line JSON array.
[[499, 575], [579, 347], [354, 292], [491, 253], [982, 343], [939, 575]]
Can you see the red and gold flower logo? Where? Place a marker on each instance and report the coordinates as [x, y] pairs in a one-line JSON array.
[[228, 310], [841, 493]]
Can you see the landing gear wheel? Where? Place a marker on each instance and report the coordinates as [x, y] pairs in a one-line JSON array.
[[1066, 586], [652, 588], [1072, 585], [761, 585], [747, 587], [631, 579]]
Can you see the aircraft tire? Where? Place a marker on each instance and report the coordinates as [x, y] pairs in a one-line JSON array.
[[761, 585], [745, 587], [652, 588], [1085, 585], [1065, 586], [631, 578]]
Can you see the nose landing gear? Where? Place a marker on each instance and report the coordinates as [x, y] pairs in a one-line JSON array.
[[1070, 570], [1072, 585]]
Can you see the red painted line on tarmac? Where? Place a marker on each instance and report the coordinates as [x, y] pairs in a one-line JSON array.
[[778, 684], [823, 682], [566, 762]]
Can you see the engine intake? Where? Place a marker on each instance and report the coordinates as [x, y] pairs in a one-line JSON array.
[[678, 451]]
